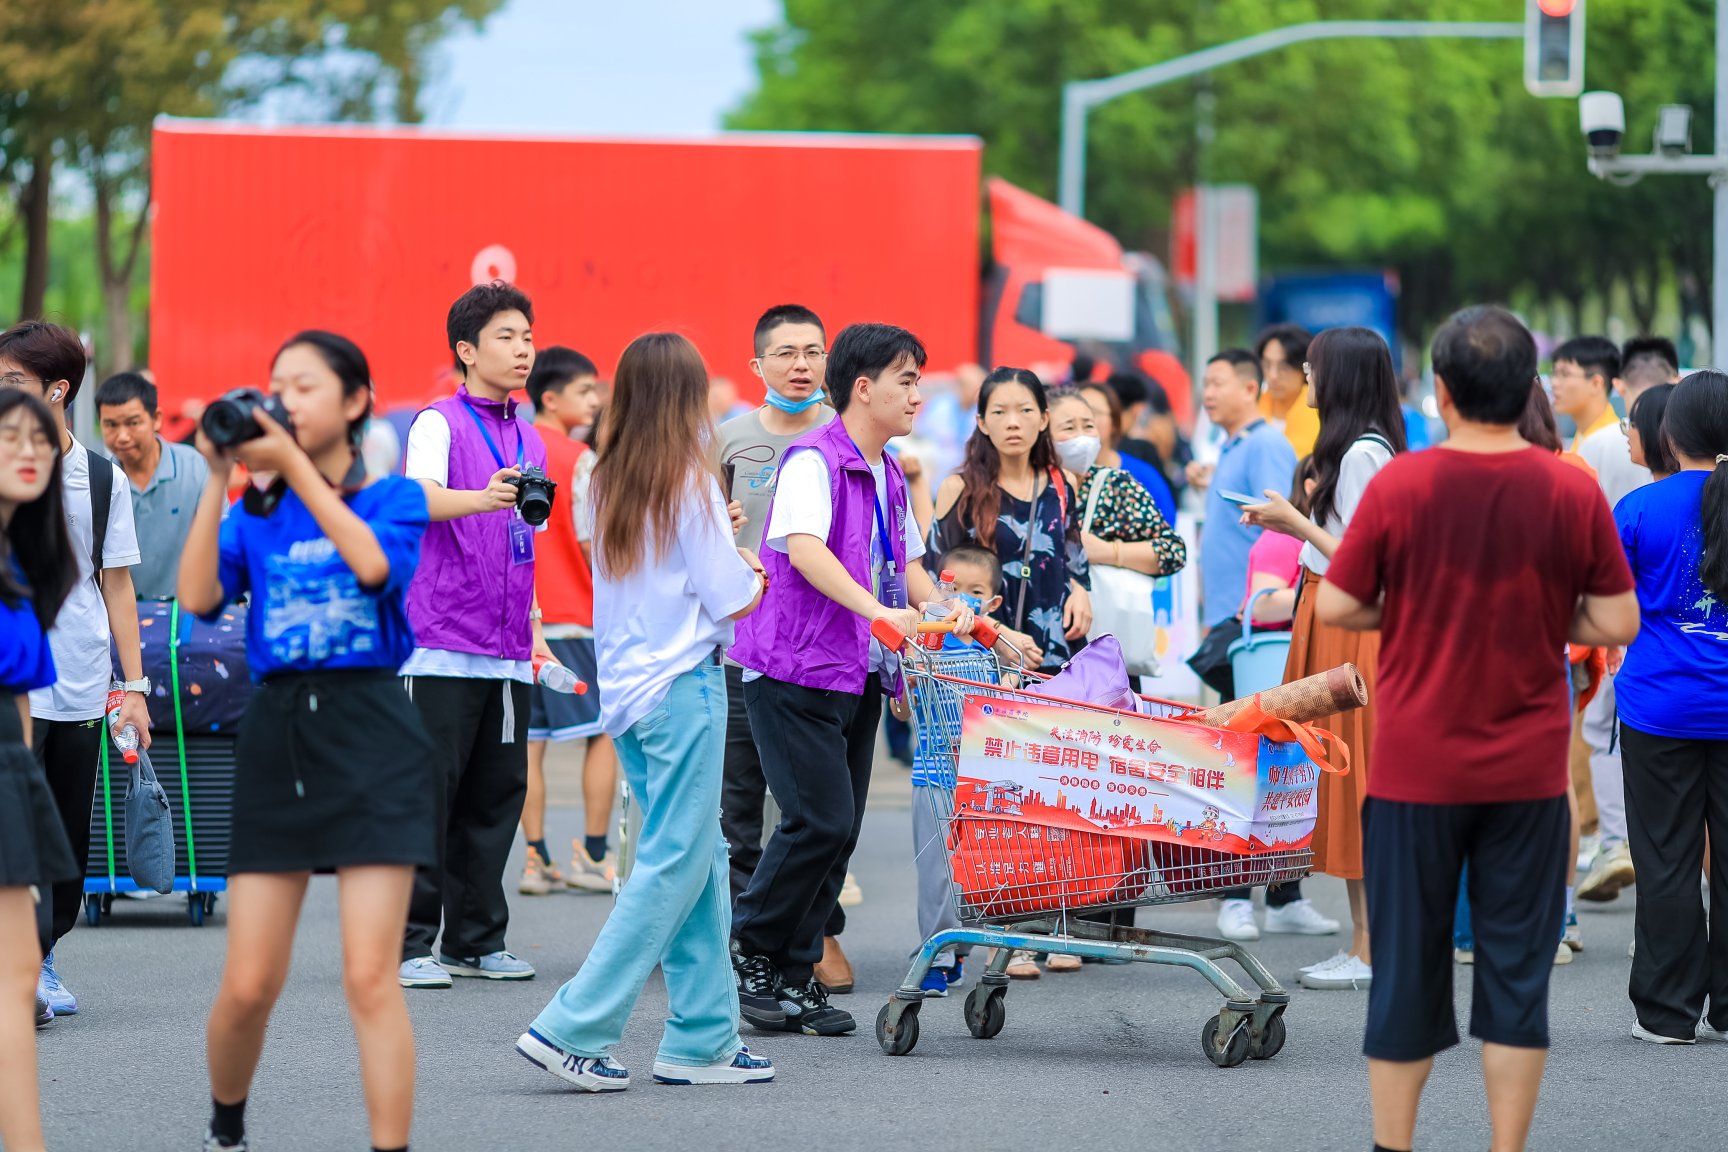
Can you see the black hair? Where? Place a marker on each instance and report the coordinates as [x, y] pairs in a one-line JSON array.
[[1647, 416], [1356, 393], [1080, 370], [1646, 361], [343, 357], [554, 368], [783, 314], [867, 350], [474, 309], [37, 538], [1239, 358], [1293, 338], [125, 387], [980, 471], [1697, 426], [1597, 355], [1130, 388], [49, 352], [974, 554], [1536, 424], [1488, 360]]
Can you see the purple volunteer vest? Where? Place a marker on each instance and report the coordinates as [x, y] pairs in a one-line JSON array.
[[799, 635], [467, 595]]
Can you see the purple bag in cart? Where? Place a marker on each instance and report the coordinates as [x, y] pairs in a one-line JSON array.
[[214, 682]]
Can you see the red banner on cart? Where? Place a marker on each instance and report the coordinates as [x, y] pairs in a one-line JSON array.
[[1232, 792]]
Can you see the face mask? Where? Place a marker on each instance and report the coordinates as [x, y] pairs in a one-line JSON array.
[[1079, 453], [976, 603], [793, 407]]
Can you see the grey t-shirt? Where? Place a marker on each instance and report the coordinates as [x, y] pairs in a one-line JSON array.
[[163, 512], [755, 454]]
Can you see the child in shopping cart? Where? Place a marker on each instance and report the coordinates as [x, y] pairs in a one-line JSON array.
[[977, 576]]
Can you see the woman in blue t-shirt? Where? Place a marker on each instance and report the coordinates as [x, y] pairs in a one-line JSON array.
[[333, 765], [36, 573], [1672, 694]]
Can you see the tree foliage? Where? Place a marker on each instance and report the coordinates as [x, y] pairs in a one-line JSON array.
[[1425, 156]]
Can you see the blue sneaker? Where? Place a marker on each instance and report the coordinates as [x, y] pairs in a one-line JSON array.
[[591, 1074], [935, 983], [957, 973], [741, 1069], [422, 972], [48, 987], [492, 966]]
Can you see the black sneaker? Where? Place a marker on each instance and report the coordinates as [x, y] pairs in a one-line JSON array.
[[759, 993], [808, 1011]]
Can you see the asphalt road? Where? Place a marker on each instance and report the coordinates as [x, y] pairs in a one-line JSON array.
[[1108, 1057]]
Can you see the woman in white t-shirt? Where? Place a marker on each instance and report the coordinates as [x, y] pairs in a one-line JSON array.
[[1352, 384], [668, 582]]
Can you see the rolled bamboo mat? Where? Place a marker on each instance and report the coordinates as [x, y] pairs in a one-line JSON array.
[[1310, 698]]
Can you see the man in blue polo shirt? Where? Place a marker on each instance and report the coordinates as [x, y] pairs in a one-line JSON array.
[[166, 479], [1255, 456]]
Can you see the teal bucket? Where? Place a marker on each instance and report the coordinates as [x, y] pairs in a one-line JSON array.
[[1257, 660]]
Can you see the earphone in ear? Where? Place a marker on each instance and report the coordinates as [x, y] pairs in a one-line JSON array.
[[54, 397]]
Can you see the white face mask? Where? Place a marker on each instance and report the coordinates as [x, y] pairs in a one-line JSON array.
[[1078, 453]]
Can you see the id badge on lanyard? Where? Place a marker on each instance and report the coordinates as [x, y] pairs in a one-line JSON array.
[[521, 539], [892, 581]]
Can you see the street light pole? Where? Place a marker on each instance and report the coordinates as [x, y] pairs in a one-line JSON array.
[[1079, 97]]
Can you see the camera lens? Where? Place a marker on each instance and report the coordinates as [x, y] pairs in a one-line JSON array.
[[225, 423], [534, 503]]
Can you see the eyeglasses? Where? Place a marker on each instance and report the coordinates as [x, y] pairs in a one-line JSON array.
[[18, 380], [13, 439], [786, 356]]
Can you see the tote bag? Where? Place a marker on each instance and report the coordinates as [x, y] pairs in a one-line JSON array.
[[1122, 603]]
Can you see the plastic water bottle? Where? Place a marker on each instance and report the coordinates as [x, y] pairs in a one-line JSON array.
[[125, 738], [555, 677], [939, 608]]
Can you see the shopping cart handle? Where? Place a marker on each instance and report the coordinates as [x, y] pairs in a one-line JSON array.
[[893, 639]]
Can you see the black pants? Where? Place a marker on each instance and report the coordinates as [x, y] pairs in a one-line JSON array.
[[70, 752], [479, 731], [1277, 895], [816, 748], [1674, 790], [744, 788]]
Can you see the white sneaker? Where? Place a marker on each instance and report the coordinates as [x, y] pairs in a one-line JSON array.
[[1588, 846], [1705, 1032], [850, 894], [588, 874], [1463, 955], [743, 1068], [1562, 955], [1300, 918], [1610, 871], [1331, 961], [1642, 1033], [1236, 920], [590, 1074], [1348, 974]]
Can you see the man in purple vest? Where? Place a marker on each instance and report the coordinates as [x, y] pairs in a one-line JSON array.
[[476, 632], [841, 552]]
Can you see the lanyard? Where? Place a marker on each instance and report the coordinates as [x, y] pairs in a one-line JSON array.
[[496, 455], [881, 518]]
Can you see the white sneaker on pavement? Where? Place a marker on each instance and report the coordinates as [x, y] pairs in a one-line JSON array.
[[1609, 872], [1588, 846], [1299, 918], [1331, 961], [1349, 974], [1643, 1033], [1236, 920]]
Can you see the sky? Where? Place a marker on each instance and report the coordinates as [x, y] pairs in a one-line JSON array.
[[600, 67]]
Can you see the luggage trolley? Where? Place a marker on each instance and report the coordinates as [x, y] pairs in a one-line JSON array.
[[1032, 904]]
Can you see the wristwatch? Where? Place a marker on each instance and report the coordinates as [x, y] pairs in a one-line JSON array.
[[142, 684]]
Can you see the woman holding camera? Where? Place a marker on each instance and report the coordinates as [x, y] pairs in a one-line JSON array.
[[36, 573], [333, 762]]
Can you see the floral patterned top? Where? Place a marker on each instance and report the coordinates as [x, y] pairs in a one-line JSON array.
[[1055, 558], [1127, 514]]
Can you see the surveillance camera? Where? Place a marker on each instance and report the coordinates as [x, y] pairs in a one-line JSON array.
[[1674, 129], [1602, 118]]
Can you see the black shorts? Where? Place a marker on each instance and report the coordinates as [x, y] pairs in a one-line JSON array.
[[1412, 856]]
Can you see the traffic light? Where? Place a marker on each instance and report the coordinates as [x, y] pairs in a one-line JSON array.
[[1554, 47]]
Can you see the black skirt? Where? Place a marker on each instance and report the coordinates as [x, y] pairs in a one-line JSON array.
[[33, 844], [334, 769]]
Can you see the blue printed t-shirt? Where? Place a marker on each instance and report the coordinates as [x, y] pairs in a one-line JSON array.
[[26, 661], [1154, 482], [308, 610], [1675, 679], [1257, 458]]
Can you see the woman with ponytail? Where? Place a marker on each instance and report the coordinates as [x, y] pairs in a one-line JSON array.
[[1673, 700]]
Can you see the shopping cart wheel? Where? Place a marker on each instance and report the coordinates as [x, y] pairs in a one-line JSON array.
[[93, 910], [195, 909], [1271, 1040], [897, 1026], [986, 1011], [1226, 1053]]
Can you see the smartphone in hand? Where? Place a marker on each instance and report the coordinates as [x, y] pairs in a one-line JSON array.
[[1241, 499]]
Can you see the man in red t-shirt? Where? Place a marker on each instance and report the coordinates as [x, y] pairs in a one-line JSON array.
[[1478, 561], [564, 389]]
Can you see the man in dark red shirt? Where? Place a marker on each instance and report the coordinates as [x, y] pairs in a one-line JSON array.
[[1478, 561]]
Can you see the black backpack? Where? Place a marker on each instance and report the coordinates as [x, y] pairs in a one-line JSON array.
[[101, 500]]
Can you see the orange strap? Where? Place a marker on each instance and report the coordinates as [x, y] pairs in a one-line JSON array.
[[1254, 718]]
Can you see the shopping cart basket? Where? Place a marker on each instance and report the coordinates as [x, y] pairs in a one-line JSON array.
[[1021, 881]]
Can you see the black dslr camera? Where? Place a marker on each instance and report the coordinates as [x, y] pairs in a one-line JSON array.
[[534, 494], [228, 420]]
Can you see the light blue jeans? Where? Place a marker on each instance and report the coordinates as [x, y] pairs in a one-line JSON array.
[[676, 908]]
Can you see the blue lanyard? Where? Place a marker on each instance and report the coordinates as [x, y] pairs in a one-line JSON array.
[[496, 455], [881, 518]]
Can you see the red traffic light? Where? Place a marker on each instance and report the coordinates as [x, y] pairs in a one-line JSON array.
[[1558, 9]]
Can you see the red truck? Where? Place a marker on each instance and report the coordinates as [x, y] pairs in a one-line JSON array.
[[261, 231]]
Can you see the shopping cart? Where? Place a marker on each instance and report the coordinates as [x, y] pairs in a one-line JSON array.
[[1025, 885]]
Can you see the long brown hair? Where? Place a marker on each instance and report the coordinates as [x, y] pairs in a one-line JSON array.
[[980, 500], [657, 440]]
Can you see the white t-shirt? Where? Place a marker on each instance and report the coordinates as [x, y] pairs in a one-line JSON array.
[[81, 635], [667, 616], [1361, 463], [1608, 451], [803, 505], [428, 458]]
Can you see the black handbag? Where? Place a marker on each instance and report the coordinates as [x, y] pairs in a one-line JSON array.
[[1211, 661]]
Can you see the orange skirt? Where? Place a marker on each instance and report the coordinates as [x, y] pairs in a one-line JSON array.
[[1317, 647]]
